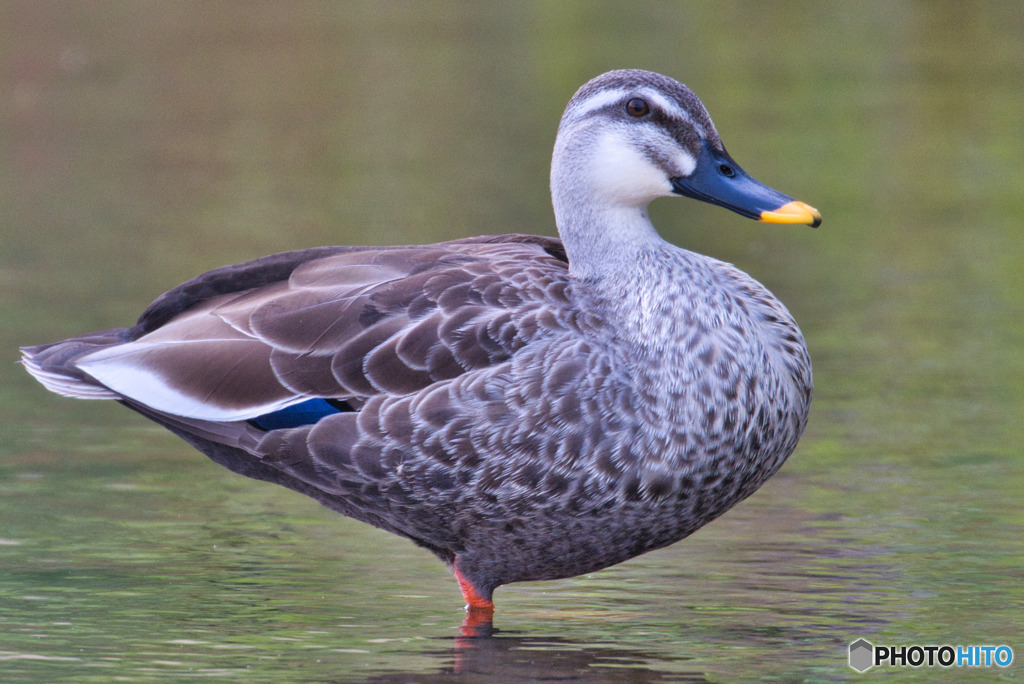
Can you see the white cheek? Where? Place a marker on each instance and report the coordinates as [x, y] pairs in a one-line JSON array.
[[622, 174]]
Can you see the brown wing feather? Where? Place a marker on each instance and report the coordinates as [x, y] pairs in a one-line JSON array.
[[344, 324]]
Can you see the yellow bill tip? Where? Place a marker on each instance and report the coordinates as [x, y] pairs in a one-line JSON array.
[[793, 212]]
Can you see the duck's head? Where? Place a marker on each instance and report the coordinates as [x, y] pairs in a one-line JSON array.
[[630, 136]]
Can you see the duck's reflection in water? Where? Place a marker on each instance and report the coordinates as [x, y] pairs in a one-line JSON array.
[[482, 652]]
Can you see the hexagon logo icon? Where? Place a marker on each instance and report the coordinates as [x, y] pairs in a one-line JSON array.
[[861, 655]]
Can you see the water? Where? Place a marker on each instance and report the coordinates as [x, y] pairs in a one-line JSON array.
[[145, 143]]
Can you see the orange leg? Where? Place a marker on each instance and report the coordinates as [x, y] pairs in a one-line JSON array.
[[475, 603]]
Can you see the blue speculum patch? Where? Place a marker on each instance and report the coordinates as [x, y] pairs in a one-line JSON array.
[[296, 415]]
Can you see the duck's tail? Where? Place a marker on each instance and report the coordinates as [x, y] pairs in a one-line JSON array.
[[54, 364]]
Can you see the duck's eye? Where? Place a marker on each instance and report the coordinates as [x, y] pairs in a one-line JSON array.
[[727, 170], [637, 107]]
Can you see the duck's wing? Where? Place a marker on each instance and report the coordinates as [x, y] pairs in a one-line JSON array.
[[410, 344], [344, 324]]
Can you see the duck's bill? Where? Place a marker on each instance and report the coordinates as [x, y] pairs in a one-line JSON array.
[[719, 180]]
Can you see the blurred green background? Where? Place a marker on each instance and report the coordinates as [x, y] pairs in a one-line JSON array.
[[144, 142]]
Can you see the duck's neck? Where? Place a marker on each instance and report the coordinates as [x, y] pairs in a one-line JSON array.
[[615, 255], [627, 271], [606, 244]]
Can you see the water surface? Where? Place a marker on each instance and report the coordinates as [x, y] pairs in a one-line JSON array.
[[144, 143]]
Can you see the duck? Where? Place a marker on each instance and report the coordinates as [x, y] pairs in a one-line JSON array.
[[524, 407]]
